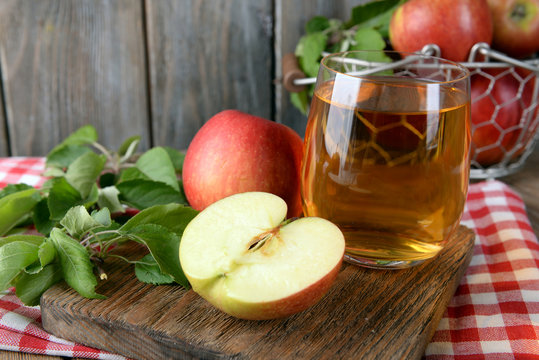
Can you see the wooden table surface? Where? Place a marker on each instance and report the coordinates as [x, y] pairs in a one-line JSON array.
[[525, 182]]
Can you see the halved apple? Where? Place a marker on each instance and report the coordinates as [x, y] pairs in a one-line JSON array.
[[240, 256]]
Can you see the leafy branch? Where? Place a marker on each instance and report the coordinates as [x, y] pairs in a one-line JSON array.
[[367, 29], [94, 201]]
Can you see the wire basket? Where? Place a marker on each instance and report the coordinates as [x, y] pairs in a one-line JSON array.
[[505, 107], [505, 103]]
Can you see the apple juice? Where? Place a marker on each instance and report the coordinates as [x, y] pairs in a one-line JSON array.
[[391, 170]]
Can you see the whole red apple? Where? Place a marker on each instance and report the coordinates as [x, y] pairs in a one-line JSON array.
[[235, 152], [495, 114], [516, 26], [530, 114], [454, 25]]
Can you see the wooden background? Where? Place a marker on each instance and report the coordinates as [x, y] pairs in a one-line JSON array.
[[156, 68]]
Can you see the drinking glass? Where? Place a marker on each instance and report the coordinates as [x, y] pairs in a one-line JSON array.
[[387, 150]]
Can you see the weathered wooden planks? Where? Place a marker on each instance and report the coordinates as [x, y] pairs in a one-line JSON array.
[[69, 63], [367, 313], [207, 56], [4, 148]]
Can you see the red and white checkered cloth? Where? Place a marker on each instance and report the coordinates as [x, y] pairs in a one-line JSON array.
[[20, 325], [494, 313]]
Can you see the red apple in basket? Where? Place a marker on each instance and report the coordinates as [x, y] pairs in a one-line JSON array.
[[496, 113], [454, 25], [236, 152], [242, 257], [530, 103], [516, 26]]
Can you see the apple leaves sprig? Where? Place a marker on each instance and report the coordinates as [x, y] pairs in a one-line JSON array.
[[84, 212], [367, 29]]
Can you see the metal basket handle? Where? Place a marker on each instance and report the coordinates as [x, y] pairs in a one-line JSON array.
[[294, 79]]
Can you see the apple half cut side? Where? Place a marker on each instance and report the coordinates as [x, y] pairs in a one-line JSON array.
[[241, 257]]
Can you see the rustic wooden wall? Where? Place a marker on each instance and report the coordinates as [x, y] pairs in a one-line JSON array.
[[204, 57], [158, 68], [3, 135], [69, 63]]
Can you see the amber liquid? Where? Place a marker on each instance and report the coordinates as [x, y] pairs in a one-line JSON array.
[[394, 180]]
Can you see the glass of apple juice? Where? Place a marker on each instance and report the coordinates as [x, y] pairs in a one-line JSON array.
[[387, 150]]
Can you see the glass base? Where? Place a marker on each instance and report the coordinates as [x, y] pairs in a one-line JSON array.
[[382, 264]]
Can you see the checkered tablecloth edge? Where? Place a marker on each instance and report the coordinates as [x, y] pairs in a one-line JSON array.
[[494, 313]]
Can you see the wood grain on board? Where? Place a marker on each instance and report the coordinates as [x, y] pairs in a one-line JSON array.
[[372, 313], [70, 63]]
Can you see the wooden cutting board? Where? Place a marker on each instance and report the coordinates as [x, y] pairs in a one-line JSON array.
[[367, 314]]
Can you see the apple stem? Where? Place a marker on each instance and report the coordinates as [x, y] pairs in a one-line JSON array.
[[97, 263], [258, 241], [288, 221]]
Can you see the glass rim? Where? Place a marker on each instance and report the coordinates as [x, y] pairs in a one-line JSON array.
[[466, 74]]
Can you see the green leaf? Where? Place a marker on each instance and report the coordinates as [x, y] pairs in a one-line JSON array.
[[14, 257], [372, 11], [368, 39], [41, 218], [76, 266], [147, 270], [102, 217], [30, 239], [92, 197], [82, 174], [107, 236], [132, 174], [16, 207], [47, 185], [14, 188], [62, 197], [84, 135], [46, 253], [129, 146], [174, 217], [53, 171], [72, 147], [107, 179], [316, 24], [30, 287], [309, 52], [301, 101], [62, 156], [177, 157], [164, 246], [108, 197], [142, 194], [156, 164], [77, 221]]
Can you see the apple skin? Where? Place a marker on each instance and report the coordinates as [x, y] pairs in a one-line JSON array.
[[454, 25], [235, 152], [506, 133], [516, 26]]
